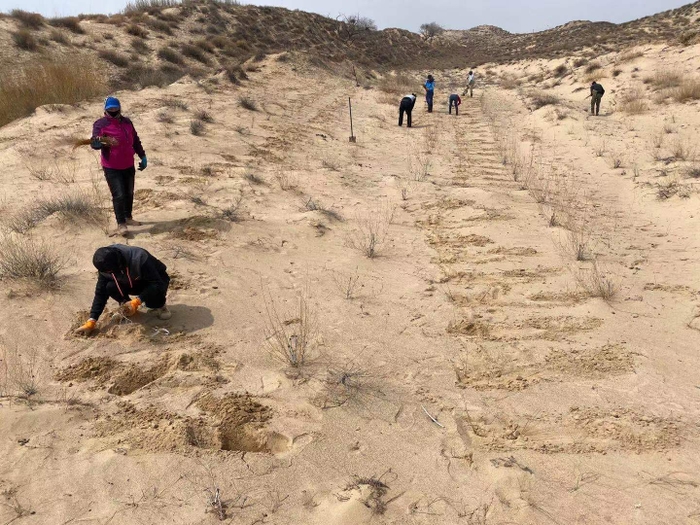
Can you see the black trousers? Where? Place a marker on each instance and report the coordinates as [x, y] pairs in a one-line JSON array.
[[429, 98], [453, 100], [152, 296], [406, 106], [121, 186]]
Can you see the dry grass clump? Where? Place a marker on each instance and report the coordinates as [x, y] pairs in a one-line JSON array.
[[24, 39], [21, 374], [540, 100], [247, 102], [55, 81], [291, 334], [195, 53], [28, 20], [509, 81], [234, 211], [634, 102], [58, 36], [170, 55], [687, 91], [693, 172], [592, 67], [665, 79], [137, 31], [71, 23], [629, 55], [203, 115], [197, 127], [34, 262], [561, 70], [397, 84], [371, 230], [596, 283], [78, 208], [115, 58]]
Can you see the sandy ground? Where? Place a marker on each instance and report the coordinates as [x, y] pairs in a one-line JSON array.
[[549, 405]]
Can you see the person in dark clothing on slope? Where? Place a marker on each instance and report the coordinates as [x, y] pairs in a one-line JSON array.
[[456, 100], [597, 93], [429, 87], [125, 271], [116, 137], [406, 106]]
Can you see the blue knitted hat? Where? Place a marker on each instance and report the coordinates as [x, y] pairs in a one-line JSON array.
[[112, 103]]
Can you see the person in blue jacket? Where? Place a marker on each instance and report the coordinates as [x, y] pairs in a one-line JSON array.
[[429, 87]]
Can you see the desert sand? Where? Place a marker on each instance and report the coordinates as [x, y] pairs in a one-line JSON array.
[[522, 347]]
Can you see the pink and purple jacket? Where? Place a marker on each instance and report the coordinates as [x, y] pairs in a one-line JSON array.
[[121, 156]]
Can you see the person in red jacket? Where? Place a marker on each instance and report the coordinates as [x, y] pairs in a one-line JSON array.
[[116, 137], [456, 101]]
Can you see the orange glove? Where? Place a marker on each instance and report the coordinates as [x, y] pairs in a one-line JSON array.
[[87, 328], [130, 308]]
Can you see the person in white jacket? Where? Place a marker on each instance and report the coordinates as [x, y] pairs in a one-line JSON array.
[[471, 80]]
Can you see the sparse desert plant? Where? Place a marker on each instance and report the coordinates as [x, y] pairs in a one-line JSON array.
[[687, 91], [78, 207], [370, 230], [419, 165], [290, 334], [616, 72], [254, 178], [197, 127], [115, 58], [509, 81], [576, 243], [165, 117], [33, 262], [330, 164], [203, 115], [137, 31], [21, 374], [55, 81], [629, 55], [346, 383], [540, 100], [140, 46], [348, 283], [58, 36], [594, 281], [693, 172], [600, 148], [170, 55], [681, 150], [234, 211], [431, 29], [665, 79], [194, 52], [28, 20], [592, 67], [398, 84], [657, 141], [71, 23], [561, 70], [286, 181], [246, 102], [616, 162], [174, 103], [580, 62], [24, 39]]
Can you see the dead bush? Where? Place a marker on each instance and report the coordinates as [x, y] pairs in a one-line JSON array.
[[591, 67], [634, 102], [561, 70], [509, 81], [234, 211], [291, 332], [78, 208], [246, 102], [140, 46], [115, 58], [33, 262], [170, 55], [664, 79], [58, 36], [195, 53], [23, 39], [28, 20], [137, 31], [371, 230], [203, 115], [51, 81], [71, 23], [540, 100], [197, 127], [629, 55], [596, 283], [254, 179], [693, 172], [22, 374], [397, 84], [687, 91]]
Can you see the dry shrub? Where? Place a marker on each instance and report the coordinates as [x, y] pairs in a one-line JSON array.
[[28, 20], [71, 23], [693, 172], [139, 76], [197, 127], [23, 39], [194, 52], [665, 79], [140, 46], [576, 243], [55, 81], [540, 100], [286, 181], [397, 84], [687, 91], [203, 115], [682, 150], [234, 211], [58, 36], [596, 283], [21, 372], [115, 58], [561, 70], [291, 333], [247, 102], [592, 67], [371, 230], [509, 81], [170, 55], [137, 31], [77, 208], [629, 55], [33, 262], [634, 102], [419, 165]]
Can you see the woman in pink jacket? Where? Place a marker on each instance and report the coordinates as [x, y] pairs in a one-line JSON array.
[[116, 136]]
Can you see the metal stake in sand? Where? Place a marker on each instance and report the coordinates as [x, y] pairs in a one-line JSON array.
[[352, 134]]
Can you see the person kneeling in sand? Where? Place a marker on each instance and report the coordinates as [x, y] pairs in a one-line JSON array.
[[124, 271]]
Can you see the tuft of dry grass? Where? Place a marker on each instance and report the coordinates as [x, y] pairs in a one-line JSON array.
[[170, 55], [71, 23], [31, 261], [397, 84], [24, 39], [247, 102], [596, 283], [371, 230], [77, 208], [290, 334], [634, 102], [28, 20], [113, 57], [197, 128], [664, 79], [50, 81], [203, 115], [687, 91], [540, 100], [137, 31], [234, 211]]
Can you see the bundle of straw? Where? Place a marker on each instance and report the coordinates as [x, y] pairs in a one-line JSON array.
[[105, 141]]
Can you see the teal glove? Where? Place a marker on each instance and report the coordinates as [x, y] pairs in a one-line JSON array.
[[143, 164]]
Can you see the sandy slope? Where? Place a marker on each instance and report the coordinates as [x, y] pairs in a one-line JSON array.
[[552, 406]]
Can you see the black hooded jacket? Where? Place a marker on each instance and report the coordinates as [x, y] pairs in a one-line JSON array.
[[136, 270]]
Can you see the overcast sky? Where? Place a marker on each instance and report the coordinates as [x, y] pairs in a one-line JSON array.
[[514, 16]]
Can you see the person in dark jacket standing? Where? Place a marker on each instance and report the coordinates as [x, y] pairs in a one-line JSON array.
[[456, 100], [429, 87], [406, 106], [116, 137], [597, 93], [125, 271]]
